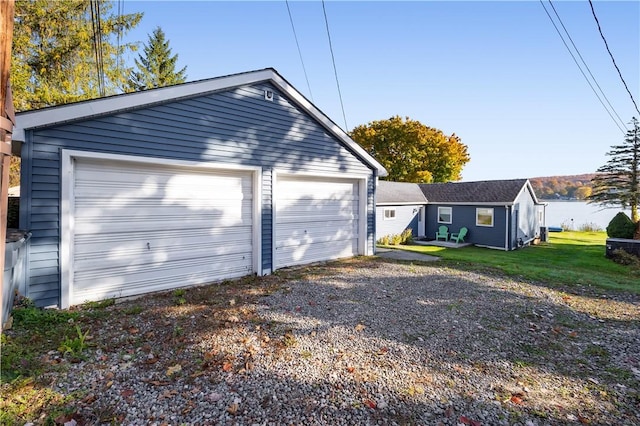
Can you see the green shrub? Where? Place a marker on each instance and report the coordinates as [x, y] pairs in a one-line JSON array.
[[621, 226], [396, 239], [407, 237]]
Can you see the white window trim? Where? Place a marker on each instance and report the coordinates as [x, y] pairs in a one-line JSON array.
[[492, 216], [450, 215], [389, 209]]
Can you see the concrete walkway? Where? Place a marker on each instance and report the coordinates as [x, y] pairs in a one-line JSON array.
[[404, 255]]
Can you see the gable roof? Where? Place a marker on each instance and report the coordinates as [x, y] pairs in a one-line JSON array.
[[500, 192], [108, 105], [397, 193]]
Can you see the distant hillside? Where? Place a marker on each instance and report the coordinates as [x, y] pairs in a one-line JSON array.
[[576, 187]]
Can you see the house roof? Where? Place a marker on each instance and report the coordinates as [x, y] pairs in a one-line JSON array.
[[396, 193], [108, 105], [501, 192]]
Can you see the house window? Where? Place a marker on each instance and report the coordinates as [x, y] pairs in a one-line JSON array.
[[389, 214], [444, 214], [484, 217]]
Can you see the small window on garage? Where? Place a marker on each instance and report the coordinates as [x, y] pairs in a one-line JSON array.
[[444, 214], [484, 217], [389, 214]]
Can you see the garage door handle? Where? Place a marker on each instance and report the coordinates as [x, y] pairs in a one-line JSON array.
[[148, 246]]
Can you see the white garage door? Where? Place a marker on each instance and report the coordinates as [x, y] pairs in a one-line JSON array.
[[138, 228], [316, 219]]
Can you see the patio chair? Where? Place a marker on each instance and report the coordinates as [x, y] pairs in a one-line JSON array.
[[443, 232], [459, 236]]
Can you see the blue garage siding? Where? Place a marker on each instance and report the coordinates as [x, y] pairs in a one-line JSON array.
[[406, 218], [466, 216], [237, 126]]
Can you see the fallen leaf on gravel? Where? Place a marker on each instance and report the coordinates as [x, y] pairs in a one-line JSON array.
[[360, 327], [584, 420], [516, 399], [214, 397], [174, 369], [168, 394], [449, 411], [89, 399], [351, 369], [133, 330], [109, 383], [233, 409], [383, 351], [573, 334], [227, 366], [370, 403], [468, 421], [126, 393]]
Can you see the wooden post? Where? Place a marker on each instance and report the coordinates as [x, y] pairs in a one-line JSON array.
[[7, 119]]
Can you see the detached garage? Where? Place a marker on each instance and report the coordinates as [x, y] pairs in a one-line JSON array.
[[188, 184]]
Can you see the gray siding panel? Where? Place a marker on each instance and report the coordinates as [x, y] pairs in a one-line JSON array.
[[465, 216], [405, 218], [237, 126]]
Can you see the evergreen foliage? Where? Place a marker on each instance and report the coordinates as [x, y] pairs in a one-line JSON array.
[[156, 67], [618, 182], [621, 227], [411, 151], [53, 56]]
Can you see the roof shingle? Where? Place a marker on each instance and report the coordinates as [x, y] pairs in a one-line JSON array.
[[489, 191], [399, 193]]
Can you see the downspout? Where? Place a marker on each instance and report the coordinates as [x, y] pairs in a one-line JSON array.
[[506, 228]]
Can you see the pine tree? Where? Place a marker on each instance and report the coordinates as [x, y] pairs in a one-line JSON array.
[[618, 181], [53, 55], [156, 67]]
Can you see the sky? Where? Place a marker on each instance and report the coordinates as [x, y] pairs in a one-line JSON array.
[[497, 74]]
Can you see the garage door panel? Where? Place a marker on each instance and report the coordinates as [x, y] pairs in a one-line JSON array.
[[152, 224], [316, 219], [122, 283], [295, 255], [139, 227], [138, 255]]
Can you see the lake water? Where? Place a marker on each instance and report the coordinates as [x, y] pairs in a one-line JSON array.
[[579, 213]]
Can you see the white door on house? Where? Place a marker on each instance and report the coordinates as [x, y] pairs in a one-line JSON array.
[[421, 222], [316, 219], [138, 227]]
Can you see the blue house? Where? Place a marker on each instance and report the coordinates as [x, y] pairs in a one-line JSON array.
[[501, 214], [400, 206], [185, 185]]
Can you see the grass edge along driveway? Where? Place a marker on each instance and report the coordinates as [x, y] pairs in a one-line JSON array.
[[569, 258]]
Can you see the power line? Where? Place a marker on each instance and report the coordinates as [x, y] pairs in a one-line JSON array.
[[335, 71], [612, 59], [295, 35], [580, 68], [97, 43], [586, 66]]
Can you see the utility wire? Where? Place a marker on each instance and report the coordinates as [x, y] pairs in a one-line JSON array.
[[612, 59], [580, 68], [586, 66], [119, 36], [335, 71], [97, 43], [295, 35]]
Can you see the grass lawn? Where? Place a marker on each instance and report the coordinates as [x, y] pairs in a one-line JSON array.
[[568, 258]]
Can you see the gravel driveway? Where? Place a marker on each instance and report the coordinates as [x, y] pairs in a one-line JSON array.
[[362, 341]]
